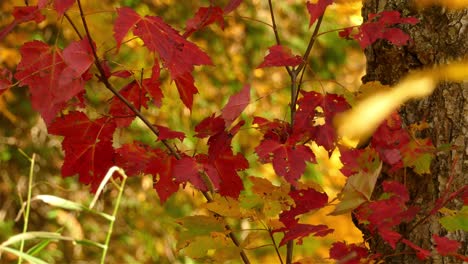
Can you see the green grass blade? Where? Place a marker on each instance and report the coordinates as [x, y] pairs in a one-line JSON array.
[[25, 256], [34, 235], [39, 247]]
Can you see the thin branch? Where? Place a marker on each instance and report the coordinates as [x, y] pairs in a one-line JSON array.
[[102, 77], [275, 246], [73, 25], [311, 44], [253, 19], [273, 22], [275, 30], [289, 251], [294, 92], [296, 86]]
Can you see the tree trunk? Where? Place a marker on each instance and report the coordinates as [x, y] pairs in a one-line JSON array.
[[439, 37]]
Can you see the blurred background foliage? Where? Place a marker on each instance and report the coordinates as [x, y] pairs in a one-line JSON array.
[[146, 231]]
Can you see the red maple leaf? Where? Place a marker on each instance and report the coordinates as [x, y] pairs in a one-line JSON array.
[[61, 6], [52, 82], [304, 201], [186, 87], [398, 190], [220, 165], [152, 86], [233, 4], [137, 94], [421, 253], [161, 167], [277, 130], [221, 172], [383, 215], [87, 145], [236, 104], [288, 159], [27, 13], [134, 158], [78, 56], [348, 254], [312, 106], [284, 152], [22, 14], [280, 56], [120, 111], [210, 126], [300, 231], [317, 10], [355, 160], [446, 246], [187, 169], [166, 133], [389, 140], [121, 74], [391, 237], [204, 17], [226, 170], [178, 55], [379, 26]]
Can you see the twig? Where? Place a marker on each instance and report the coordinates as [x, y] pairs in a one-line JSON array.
[[275, 246], [311, 44], [275, 30]]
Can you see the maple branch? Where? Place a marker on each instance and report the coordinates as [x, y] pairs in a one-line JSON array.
[[275, 30], [102, 77], [295, 85], [311, 44]]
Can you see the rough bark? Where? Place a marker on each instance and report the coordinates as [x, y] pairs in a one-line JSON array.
[[440, 37]]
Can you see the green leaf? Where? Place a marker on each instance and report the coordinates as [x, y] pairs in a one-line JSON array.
[[86, 242], [200, 246], [23, 255], [34, 235], [418, 154], [198, 225], [39, 247], [459, 221]]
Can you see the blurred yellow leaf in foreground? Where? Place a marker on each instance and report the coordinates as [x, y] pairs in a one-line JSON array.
[[453, 4], [362, 120]]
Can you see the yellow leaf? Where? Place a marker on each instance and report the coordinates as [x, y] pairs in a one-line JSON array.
[[362, 120]]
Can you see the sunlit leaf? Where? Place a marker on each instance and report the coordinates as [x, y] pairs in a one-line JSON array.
[[358, 189]]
